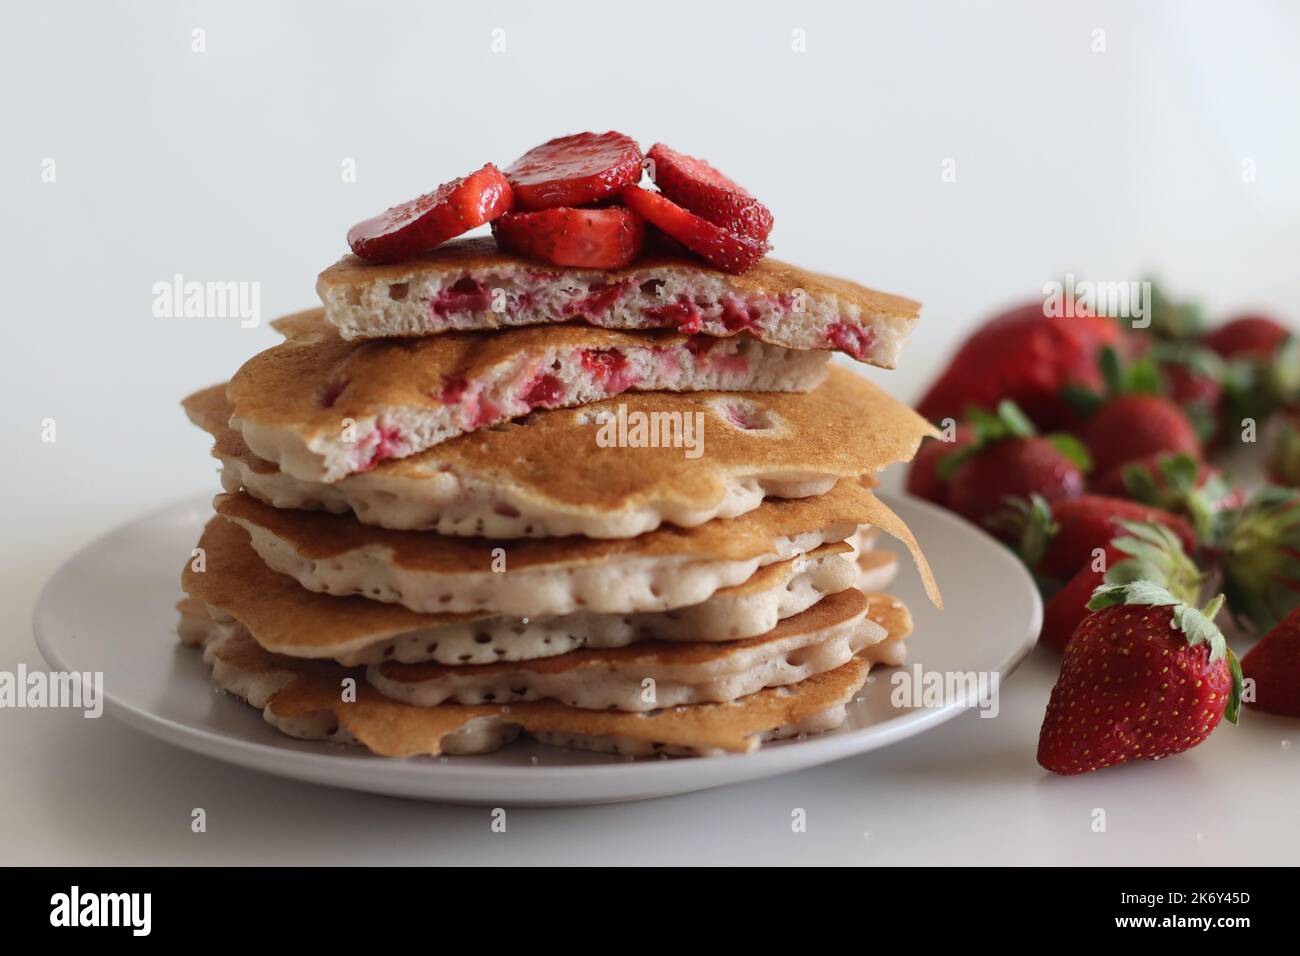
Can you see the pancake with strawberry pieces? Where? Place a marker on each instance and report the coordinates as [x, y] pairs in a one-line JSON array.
[[470, 284], [322, 408], [590, 472]]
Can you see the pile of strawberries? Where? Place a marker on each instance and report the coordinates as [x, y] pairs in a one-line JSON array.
[[574, 201], [1087, 445]]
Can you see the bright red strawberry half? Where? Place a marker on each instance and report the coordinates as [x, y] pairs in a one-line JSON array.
[[1146, 674], [1274, 665], [1005, 461], [728, 251], [420, 224], [696, 186], [574, 170], [1027, 357], [583, 238]]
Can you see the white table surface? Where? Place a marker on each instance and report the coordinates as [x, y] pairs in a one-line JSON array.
[[225, 164]]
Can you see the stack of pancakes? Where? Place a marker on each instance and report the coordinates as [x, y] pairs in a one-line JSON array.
[[617, 538]]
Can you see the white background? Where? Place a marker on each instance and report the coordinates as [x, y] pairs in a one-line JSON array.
[[226, 164]]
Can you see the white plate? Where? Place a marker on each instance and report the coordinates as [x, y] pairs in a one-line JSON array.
[[111, 609]]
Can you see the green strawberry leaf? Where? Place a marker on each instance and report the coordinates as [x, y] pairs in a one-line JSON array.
[[1142, 377], [1233, 709], [1036, 528], [1112, 376], [1083, 401], [1014, 420], [1073, 449]]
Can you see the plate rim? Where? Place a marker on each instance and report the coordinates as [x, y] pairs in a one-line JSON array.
[[324, 767]]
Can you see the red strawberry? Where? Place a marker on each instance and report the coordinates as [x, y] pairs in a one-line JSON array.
[[724, 249], [695, 185], [419, 225], [1067, 608], [923, 479], [1012, 468], [584, 238], [1274, 665], [1137, 426], [1249, 336], [1007, 461], [574, 170], [1027, 357], [1145, 675], [1089, 522]]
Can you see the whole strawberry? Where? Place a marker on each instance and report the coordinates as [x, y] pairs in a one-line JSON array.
[[923, 479], [1145, 675], [1078, 527], [1027, 357], [1134, 427], [1007, 461], [1274, 665]]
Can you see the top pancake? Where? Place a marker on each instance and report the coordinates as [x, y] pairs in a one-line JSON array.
[[471, 284], [481, 254]]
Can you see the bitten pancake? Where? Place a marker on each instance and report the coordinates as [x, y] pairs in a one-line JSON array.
[[658, 571], [551, 476], [654, 674], [471, 284], [304, 699], [285, 618], [322, 408]]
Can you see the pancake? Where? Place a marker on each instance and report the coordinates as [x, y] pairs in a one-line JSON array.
[[285, 618], [322, 408], [550, 476], [876, 570], [653, 674], [303, 699], [657, 571], [471, 284]]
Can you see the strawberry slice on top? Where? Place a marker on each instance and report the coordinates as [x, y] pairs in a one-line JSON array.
[[696, 186], [729, 251], [575, 170], [582, 238], [417, 226]]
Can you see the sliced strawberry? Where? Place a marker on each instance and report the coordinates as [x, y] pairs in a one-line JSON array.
[[722, 248], [574, 170], [419, 225], [585, 238], [695, 185]]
